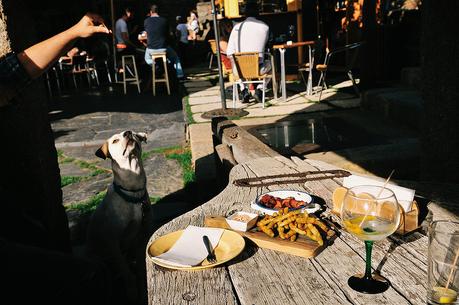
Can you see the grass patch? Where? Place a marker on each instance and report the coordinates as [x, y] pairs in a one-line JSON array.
[[181, 154], [154, 200], [189, 114], [163, 150], [66, 180], [184, 159], [88, 205], [94, 169]]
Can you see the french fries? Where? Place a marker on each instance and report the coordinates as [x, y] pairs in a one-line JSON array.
[[288, 225]]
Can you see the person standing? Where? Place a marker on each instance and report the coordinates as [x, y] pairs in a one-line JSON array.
[[193, 25], [157, 32], [182, 37], [34, 237], [251, 35]]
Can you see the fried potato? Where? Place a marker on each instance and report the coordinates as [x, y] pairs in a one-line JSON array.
[[288, 225]]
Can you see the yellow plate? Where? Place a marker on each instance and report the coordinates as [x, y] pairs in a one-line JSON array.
[[231, 245]]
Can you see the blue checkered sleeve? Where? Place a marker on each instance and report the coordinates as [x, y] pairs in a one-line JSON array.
[[13, 77]]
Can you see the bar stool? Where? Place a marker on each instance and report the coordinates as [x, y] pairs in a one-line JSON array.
[[134, 76], [160, 55]]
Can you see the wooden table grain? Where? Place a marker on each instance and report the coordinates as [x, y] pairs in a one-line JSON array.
[[261, 276]]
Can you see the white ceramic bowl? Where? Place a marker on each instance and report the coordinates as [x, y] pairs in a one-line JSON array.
[[250, 219]]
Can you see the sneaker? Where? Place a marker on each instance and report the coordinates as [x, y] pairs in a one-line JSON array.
[[258, 96], [245, 95]]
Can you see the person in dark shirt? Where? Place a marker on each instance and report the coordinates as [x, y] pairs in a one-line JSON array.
[[34, 239], [157, 29]]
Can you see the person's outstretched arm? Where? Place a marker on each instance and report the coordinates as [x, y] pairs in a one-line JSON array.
[[40, 56]]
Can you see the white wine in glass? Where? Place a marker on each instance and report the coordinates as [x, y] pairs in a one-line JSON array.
[[371, 213]]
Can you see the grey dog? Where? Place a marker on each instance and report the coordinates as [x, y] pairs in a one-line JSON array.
[[120, 226]]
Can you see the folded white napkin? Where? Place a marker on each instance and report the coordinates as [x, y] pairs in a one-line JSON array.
[[189, 250], [404, 195]]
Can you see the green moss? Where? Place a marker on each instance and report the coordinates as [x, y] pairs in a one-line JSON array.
[[189, 113], [88, 205], [184, 159], [154, 200], [67, 180]]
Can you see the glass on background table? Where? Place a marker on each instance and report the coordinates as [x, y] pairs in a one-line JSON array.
[[371, 213], [443, 280]]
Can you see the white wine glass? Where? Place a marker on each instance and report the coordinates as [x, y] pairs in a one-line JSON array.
[[370, 213]]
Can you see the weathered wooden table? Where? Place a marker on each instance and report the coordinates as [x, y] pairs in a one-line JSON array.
[[260, 276]]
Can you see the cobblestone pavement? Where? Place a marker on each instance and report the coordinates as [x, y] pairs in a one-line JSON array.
[[82, 121]]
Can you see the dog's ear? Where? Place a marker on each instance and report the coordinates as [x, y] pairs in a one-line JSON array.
[[142, 136], [103, 152]]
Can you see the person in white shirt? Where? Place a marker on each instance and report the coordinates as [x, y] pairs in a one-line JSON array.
[[193, 26], [182, 36], [251, 35]]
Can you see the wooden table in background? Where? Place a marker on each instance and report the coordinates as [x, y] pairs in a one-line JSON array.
[[261, 276], [282, 48]]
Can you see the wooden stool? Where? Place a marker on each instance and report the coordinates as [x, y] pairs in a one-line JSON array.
[[161, 55], [134, 75]]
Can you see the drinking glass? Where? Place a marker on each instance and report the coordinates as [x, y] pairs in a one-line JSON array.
[[442, 279], [371, 213]]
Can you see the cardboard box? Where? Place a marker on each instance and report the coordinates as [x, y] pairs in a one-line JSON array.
[[231, 8]]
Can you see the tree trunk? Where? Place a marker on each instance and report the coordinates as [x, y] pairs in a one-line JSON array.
[[440, 64]]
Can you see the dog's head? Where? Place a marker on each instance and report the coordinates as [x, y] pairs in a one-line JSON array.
[[124, 145]]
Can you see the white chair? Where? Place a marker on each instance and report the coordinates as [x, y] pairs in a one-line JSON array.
[[165, 79], [247, 71], [134, 76]]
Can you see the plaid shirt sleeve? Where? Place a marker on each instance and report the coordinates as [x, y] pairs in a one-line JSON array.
[[13, 78]]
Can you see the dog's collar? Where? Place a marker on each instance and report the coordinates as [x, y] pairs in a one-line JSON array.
[[133, 196]]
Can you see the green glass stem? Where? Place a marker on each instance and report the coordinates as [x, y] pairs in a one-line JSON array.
[[368, 248]]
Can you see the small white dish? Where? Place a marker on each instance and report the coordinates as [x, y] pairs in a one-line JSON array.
[[242, 221]]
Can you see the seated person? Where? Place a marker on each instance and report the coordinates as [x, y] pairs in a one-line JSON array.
[[225, 30], [156, 28], [251, 35]]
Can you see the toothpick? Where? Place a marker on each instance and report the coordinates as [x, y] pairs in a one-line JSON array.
[[453, 267], [379, 194], [385, 183]]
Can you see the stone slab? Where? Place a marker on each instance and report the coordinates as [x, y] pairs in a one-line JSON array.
[[72, 169], [197, 84], [86, 189], [211, 99], [164, 176], [202, 150]]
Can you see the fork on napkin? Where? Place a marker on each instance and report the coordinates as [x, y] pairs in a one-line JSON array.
[[189, 250]]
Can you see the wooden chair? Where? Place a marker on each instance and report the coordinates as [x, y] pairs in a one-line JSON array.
[[213, 51], [323, 68], [80, 65], [247, 71]]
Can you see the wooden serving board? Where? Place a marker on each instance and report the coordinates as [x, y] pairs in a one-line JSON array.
[[303, 246]]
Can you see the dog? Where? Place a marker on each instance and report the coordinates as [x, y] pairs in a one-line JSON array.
[[120, 226]]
